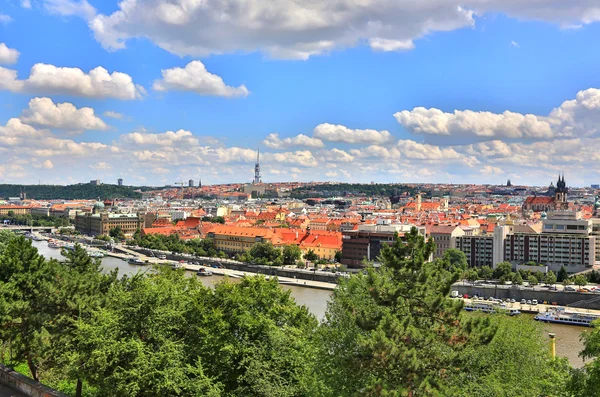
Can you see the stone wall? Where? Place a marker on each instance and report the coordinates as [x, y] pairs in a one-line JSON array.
[[23, 384]]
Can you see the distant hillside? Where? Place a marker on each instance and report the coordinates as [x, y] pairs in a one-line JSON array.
[[351, 189], [70, 192]]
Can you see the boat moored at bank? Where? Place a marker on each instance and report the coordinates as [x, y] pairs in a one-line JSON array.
[[203, 272], [135, 261], [562, 316]]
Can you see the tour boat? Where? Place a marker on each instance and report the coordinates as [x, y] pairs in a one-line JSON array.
[[481, 307], [561, 316]]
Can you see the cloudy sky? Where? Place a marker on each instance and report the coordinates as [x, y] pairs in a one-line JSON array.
[[159, 91]]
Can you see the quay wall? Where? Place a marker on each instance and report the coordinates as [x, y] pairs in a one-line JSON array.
[[29, 387], [562, 298], [247, 267]]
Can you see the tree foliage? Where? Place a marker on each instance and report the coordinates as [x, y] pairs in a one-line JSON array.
[[291, 254], [173, 243], [457, 259], [515, 363], [264, 254], [397, 326], [311, 256]]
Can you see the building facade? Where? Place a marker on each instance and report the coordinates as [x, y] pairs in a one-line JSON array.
[[15, 209], [101, 223], [556, 202], [358, 246], [444, 238], [479, 250]]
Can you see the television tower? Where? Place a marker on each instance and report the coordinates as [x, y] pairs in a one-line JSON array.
[[257, 167]]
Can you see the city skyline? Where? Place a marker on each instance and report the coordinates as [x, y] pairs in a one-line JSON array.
[[448, 92]]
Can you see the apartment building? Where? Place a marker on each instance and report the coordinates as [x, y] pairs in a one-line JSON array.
[[444, 237], [479, 250]]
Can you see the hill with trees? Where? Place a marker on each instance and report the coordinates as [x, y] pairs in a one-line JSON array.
[[352, 189], [83, 191]]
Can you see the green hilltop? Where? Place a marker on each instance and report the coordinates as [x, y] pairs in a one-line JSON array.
[[70, 192]]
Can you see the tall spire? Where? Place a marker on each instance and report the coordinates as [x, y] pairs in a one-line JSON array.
[[257, 166]]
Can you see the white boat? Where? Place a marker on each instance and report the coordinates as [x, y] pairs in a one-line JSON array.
[[204, 272], [135, 261], [561, 316], [95, 254], [55, 244], [484, 307]]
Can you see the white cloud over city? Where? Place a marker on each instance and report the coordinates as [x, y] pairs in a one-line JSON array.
[[49, 79], [329, 153], [298, 30], [195, 78]]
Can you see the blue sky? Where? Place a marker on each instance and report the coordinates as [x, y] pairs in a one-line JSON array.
[[388, 91]]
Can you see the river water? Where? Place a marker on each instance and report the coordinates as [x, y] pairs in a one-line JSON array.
[[568, 342]]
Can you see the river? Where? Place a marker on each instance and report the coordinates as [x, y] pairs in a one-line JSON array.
[[568, 343]]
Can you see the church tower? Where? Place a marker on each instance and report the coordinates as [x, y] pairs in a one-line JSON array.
[[560, 194]]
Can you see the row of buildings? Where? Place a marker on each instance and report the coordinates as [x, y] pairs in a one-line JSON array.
[[486, 224]]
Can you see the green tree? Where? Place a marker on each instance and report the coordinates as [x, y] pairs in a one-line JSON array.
[[485, 272], [264, 253], [27, 299], [533, 281], [580, 280], [83, 288], [503, 269], [258, 342], [517, 278], [338, 256], [392, 331], [562, 274], [584, 381], [117, 233], [135, 345], [516, 363], [456, 258], [311, 256], [550, 278], [291, 254], [472, 275]]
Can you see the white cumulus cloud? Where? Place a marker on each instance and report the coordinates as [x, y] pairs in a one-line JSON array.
[[576, 117], [50, 79], [80, 8], [44, 112], [299, 29], [166, 139], [195, 78], [274, 142], [113, 115], [340, 133], [467, 122], [8, 55]]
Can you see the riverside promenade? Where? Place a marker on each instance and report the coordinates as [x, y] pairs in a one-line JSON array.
[[282, 280]]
